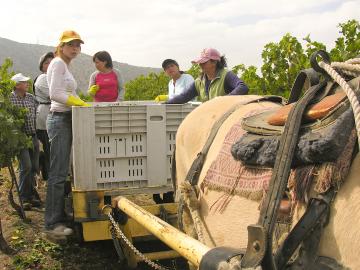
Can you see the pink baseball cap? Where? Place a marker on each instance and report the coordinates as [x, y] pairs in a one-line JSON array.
[[206, 55]]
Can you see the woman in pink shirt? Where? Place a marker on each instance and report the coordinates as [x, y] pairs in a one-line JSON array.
[[106, 84]]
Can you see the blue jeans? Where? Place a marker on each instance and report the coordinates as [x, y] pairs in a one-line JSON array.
[[28, 166], [60, 137]]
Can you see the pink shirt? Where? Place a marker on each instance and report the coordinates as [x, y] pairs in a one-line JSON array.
[[108, 87]]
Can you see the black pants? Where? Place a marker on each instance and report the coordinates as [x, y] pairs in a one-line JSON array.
[[168, 197], [44, 159]]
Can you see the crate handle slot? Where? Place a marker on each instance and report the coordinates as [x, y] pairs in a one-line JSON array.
[[156, 118]]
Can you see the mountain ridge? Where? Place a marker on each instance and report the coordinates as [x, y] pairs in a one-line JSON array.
[[25, 58]]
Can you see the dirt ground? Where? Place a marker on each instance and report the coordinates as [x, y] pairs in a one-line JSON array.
[[35, 251]]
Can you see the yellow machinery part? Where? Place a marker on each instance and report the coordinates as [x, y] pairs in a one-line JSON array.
[[96, 230], [100, 230]]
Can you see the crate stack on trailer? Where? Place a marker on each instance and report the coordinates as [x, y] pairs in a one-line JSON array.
[[118, 149]]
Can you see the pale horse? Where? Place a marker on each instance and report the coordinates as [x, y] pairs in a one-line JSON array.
[[341, 237]]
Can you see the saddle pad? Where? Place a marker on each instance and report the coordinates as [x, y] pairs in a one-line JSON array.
[[231, 176], [234, 178], [322, 144], [258, 124]]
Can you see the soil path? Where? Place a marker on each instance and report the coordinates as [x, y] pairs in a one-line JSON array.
[[35, 251]]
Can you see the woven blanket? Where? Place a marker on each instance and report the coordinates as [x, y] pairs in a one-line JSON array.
[[231, 176], [234, 178], [322, 176]]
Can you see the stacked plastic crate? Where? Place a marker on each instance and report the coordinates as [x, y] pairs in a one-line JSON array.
[[125, 145]]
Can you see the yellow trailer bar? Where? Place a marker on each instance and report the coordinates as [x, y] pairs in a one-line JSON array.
[[186, 246]]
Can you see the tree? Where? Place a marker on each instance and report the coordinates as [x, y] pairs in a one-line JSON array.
[[348, 45], [254, 82], [194, 71], [12, 137], [282, 61], [281, 64], [146, 87]]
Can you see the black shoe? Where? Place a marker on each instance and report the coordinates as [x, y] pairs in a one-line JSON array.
[[26, 205], [168, 197], [157, 199], [35, 203]]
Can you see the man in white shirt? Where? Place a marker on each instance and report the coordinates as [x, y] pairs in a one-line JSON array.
[[179, 82]]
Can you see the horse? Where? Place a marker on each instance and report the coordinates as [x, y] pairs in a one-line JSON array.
[[225, 214]]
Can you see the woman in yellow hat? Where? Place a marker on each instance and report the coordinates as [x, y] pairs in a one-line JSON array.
[[62, 87]]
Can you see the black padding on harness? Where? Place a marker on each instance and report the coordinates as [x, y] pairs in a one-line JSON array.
[[323, 144], [196, 167]]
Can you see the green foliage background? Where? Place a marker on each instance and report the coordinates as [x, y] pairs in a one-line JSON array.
[[281, 63], [12, 137]]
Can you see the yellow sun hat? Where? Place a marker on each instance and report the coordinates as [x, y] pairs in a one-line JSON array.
[[70, 35]]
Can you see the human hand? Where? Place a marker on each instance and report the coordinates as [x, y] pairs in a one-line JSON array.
[[76, 101], [93, 89], [160, 98]]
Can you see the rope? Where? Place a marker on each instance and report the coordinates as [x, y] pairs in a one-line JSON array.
[[350, 93], [192, 203], [346, 66], [353, 61]]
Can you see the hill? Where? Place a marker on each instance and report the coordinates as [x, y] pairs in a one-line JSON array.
[[25, 58]]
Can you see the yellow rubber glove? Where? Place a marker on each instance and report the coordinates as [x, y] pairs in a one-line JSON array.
[[160, 98], [93, 89], [76, 101]]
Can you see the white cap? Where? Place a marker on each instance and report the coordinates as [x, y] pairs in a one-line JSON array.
[[19, 78]]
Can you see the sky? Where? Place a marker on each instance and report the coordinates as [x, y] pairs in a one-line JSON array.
[[145, 32]]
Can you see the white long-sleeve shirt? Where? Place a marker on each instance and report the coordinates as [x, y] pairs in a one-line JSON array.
[[61, 85], [181, 84], [42, 96]]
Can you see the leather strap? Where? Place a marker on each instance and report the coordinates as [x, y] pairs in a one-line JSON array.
[[308, 228], [259, 249], [313, 78]]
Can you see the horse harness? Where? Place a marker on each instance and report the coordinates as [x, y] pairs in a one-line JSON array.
[[307, 232]]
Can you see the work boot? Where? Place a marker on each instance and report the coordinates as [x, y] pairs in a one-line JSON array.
[[35, 202], [59, 230], [26, 205]]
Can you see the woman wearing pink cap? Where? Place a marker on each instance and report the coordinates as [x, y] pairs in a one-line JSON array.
[[215, 80]]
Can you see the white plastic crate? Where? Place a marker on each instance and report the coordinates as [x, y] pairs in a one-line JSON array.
[[125, 144]]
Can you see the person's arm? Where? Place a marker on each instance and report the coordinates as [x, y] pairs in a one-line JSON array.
[[185, 96], [233, 85], [57, 87], [121, 90], [36, 103], [188, 80], [42, 89], [92, 79]]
